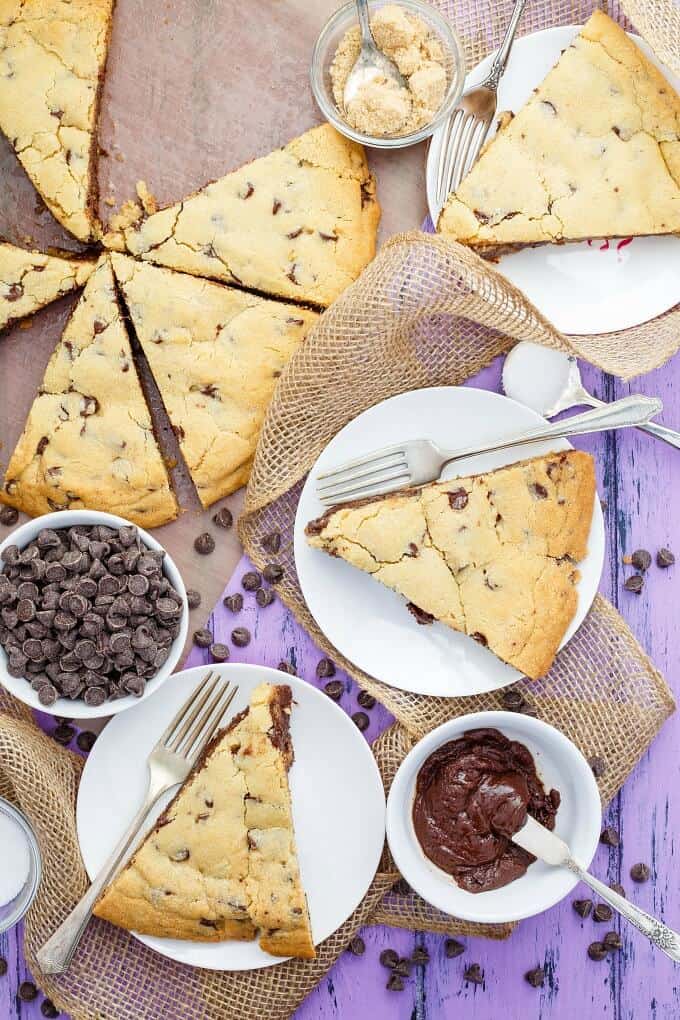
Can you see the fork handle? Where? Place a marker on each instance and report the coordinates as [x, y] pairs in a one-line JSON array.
[[628, 411], [55, 955], [501, 58], [659, 934]]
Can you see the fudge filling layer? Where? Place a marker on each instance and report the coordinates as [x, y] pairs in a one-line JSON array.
[[472, 795]]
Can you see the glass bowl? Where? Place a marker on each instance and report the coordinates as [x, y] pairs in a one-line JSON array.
[[12, 912], [324, 51]]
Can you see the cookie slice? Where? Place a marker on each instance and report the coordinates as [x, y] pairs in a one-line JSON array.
[[52, 58], [299, 223], [221, 861], [595, 152], [30, 280], [492, 555], [216, 354], [89, 441]]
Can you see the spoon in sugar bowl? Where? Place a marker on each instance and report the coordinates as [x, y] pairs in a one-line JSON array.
[[371, 62], [549, 381]]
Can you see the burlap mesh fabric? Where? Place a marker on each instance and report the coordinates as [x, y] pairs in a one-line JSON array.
[[424, 313]]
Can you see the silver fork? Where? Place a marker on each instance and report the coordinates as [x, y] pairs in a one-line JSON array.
[[466, 129], [169, 764], [420, 460]]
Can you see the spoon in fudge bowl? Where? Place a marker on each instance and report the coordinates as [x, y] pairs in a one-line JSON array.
[[548, 847], [549, 382], [371, 62]]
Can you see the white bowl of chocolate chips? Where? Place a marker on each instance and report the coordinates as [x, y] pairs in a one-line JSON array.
[[93, 614]]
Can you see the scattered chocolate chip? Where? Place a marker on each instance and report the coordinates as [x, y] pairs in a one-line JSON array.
[[602, 912], [389, 958], [3, 966], [264, 597], [474, 974], [583, 907], [453, 948], [634, 583], [86, 740], [535, 977], [366, 700], [48, 1009], [223, 518], [395, 983], [219, 652], [420, 955], [513, 701], [641, 560], [403, 968], [27, 991], [335, 689], [357, 946], [597, 951], [325, 668], [251, 581], [193, 598], [204, 544], [458, 499], [8, 516], [286, 667], [272, 573], [665, 558], [640, 872], [598, 766], [609, 836], [613, 940], [203, 637], [361, 721], [618, 888], [234, 603], [401, 887], [241, 637], [271, 543], [64, 734]]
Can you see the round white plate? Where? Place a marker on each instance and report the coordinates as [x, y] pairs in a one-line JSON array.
[[337, 794], [560, 765], [366, 621], [587, 287]]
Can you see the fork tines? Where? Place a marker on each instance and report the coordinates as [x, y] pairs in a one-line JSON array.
[[385, 469], [199, 717]]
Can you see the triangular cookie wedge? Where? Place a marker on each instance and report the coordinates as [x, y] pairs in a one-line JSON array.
[[491, 555], [299, 223], [30, 280], [594, 153], [52, 58], [221, 862], [89, 441], [216, 354]]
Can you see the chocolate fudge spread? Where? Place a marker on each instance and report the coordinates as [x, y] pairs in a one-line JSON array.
[[472, 795]]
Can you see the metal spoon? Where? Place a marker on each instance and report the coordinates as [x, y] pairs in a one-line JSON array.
[[549, 381], [371, 62]]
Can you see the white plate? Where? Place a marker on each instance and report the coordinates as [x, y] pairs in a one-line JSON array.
[[587, 287], [338, 803], [366, 621], [560, 765]]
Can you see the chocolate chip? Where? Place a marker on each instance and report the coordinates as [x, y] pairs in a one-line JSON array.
[[138, 585], [334, 689], [64, 734], [361, 721], [204, 544], [583, 907], [613, 940], [272, 573], [453, 948], [401, 887], [422, 617], [640, 872], [94, 697], [389, 958], [458, 499], [641, 560], [357, 946], [597, 951], [610, 836], [8, 516], [86, 740], [264, 597], [395, 983], [193, 598], [203, 638], [403, 968], [474, 974], [618, 888], [598, 766], [325, 668], [251, 581], [481, 640], [513, 700], [271, 543], [219, 652], [420, 955], [47, 694], [241, 637], [634, 583], [223, 518], [234, 603], [48, 1009], [286, 667], [535, 977], [665, 558], [366, 700], [3, 966], [27, 991], [602, 912]]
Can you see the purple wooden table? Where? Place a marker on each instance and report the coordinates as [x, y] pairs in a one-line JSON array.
[[642, 510]]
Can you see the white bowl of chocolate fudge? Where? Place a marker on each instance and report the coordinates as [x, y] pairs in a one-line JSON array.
[[460, 794], [93, 614]]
